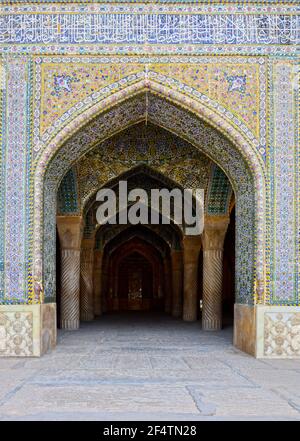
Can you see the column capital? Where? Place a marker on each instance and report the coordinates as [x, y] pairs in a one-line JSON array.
[[70, 229], [216, 222], [213, 235]]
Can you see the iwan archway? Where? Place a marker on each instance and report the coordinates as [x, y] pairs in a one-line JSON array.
[[197, 124]]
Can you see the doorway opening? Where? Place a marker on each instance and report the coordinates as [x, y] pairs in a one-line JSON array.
[[150, 268]]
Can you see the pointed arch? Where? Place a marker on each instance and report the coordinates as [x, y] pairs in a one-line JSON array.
[[201, 126]]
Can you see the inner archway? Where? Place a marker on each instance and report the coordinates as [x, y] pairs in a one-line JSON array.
[[144, 255], [135, 283], [135, 277], [236, 169]]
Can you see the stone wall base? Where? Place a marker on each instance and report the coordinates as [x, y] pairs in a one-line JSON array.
[[261, 331], [267, 331], [27, 330], [244, 328]]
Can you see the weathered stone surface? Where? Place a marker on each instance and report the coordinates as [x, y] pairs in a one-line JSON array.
[[48, 327], [244, 328]]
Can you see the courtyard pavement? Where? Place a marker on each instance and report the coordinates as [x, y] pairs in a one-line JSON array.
[[147, 367]]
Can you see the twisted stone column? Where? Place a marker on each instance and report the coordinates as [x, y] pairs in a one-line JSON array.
[[70, 233], [191, 248], [213, 240], [177, 278], [98, 254], [86, 280], [70, 268], [167, 286]]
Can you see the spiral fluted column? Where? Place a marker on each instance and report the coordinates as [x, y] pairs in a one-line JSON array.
[[191, 249], [177, 279], [70, 267], [86, 280], [98, 254], [70, 233], [212, 289], [213, 240]]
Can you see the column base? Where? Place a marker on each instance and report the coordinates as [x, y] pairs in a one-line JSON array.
[[69, 324], [189, 317], [211, 325]]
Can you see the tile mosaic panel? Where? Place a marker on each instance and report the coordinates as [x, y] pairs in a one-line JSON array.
[[154, 147], [66, 85], [3, 90], [284, 267], [146, 28], [67, 197], [15, 190], [141, 144], [164, 27], [212, 80], [218, 193]]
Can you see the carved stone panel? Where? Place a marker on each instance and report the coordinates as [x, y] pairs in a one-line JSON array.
[[16, 333], [278, 331], [282, 334]]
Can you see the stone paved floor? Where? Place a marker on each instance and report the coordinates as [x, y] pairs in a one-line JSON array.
[[139, 366]]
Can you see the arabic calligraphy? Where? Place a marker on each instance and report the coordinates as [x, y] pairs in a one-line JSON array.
[[149, 28]]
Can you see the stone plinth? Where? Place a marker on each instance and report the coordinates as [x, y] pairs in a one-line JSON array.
[[27, 330], [244, 337]]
